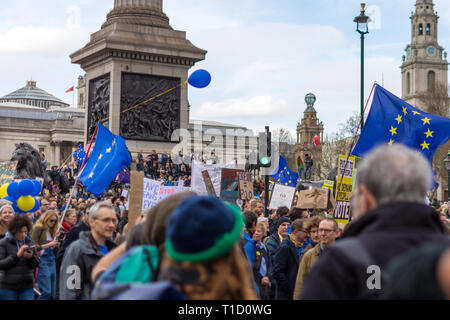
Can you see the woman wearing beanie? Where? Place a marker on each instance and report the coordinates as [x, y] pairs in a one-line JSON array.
[[203, 259], [6, 214], [43, 234], [18, 259]]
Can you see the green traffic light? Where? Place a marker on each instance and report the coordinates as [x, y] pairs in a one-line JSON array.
[[264, 161]]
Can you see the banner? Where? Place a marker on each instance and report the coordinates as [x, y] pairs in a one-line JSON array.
[[215, 173], [281, 196], [7, 170], [245, 184], [229, 185], [344, 188]]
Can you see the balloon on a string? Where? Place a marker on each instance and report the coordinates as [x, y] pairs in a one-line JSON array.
[[4, 190], [26, 187], [26, 203], [36, 188], [200, 79], [317, 141], [13, 190]]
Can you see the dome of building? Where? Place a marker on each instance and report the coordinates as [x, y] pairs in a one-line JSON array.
[[34, 96]]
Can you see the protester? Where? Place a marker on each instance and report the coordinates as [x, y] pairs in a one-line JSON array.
[[262, 268], [87, 251], [18, 260], [273, 218], [265, 222], [274, 241], [256, 206], [328, 232], [6, 214], [247, 242], [70, 219], [390, 219], [300, 167], [286, 260], [210, 255], [43, 234], [313, 231], [308, 167]]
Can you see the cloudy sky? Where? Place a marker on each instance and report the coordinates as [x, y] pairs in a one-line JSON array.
[[264, 55]]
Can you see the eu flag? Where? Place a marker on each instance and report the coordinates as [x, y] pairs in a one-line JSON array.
[[109, 156], [80, 155], [391, 120], [284, 175]]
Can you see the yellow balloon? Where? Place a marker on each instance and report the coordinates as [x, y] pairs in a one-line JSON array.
[[3, 190], [25, 203]]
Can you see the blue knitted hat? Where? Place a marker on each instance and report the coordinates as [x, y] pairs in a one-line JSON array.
[[202, 229]]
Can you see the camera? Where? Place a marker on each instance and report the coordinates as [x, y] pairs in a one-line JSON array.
[[32, 248]]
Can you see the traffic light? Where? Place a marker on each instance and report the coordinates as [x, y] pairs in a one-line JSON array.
[[265, 149]]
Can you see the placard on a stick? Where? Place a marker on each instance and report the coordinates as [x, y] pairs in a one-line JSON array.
[[245, 185], [229, 185], [282, 196], [7, 171], [136, 195], [208, 183]]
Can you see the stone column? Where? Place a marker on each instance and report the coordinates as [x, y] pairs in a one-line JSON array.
[[150, 4], [57, 154]]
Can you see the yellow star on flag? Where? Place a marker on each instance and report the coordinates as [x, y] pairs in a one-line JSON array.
[[108, 150], [415, 113], [399, 119], [426, 120], [100, 157], [429, 133], [91, 175], [425, 145], [393, 130], [405, 111], [391, 142]]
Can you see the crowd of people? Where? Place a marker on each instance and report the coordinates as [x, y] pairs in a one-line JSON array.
[[201, 248]]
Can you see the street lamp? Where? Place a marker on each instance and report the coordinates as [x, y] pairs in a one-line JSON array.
[[447, 165], [362, 27]]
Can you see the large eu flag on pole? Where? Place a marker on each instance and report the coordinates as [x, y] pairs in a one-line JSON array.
[[392, 120], [109, 156], [284, 175]]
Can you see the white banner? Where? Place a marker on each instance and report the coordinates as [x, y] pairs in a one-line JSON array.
[[150, 196], [215, 172], [282, 196]]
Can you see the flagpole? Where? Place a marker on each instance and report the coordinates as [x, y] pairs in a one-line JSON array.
[[76, 181]]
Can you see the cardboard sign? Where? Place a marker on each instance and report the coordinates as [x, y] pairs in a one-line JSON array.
[[314, 199], [7, 171], [208, 183], [229, 185], [282, 196], [345, 182], [215, 173], [245, 185], [136, 195]]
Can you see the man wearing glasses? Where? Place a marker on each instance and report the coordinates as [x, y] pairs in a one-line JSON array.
[[82, 255], [287, 259], [328, 232]]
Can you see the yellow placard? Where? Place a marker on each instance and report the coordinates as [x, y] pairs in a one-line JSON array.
[[346, 175]]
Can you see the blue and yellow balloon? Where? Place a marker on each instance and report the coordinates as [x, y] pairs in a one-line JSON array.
[[26, 203], [200, 79]]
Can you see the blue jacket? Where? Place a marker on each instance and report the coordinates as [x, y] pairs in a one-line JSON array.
[[250, 249]]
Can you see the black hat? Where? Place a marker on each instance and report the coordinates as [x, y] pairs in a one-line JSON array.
[[283, 220]]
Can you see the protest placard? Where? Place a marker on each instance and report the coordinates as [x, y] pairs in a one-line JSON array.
[[136, 195], [281, 196], [345, 182], [245, 185], [328, 184], [7, 170], [229, 185], [215, 173], [314, 199], [150, 193], [208, 183]]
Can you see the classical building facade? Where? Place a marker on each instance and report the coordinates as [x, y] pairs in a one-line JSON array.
[[309, 128], [36, 117], [425, 62]]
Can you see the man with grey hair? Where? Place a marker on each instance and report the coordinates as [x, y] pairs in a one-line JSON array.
[[82, 255], [390, 218]]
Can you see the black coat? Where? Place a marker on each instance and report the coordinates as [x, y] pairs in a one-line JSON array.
[[16, 273], [385, 233], [285, 270], [272, 245]]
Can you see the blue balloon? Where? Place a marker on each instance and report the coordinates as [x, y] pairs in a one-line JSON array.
[[16, 209], [36, 188], [26, 187], [13, 190], [36, 207], [10, 199], [200, 79]]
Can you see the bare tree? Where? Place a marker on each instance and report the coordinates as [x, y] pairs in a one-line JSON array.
[[436, 100]]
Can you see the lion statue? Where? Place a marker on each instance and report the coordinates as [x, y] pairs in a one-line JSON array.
[[29, 166]]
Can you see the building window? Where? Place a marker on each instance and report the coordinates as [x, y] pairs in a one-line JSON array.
[[420, 29], [408, 82], [428, 29], [431, 79]]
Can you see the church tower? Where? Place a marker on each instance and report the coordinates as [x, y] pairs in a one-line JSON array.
[[425, 62]]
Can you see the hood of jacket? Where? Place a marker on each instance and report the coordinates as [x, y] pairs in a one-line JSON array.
[[396, 216]]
